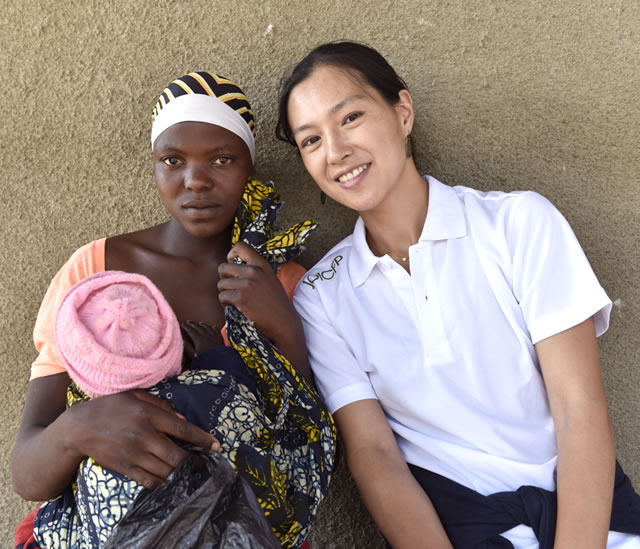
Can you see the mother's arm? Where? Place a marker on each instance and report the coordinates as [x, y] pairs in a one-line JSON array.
[[402, 510], [586, 449], [128, 432]]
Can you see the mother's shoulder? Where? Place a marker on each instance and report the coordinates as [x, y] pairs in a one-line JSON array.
[[123, 252]]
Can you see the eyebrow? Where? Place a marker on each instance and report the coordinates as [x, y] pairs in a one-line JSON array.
[[332, 110]]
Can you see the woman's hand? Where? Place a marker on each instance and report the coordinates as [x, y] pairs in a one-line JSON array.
[[127, 432], [255, 291]]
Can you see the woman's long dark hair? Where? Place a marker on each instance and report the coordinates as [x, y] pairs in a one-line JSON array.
[[365, 64]]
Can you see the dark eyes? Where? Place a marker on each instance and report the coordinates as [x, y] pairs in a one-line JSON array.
[[309, 141], [351, 117], [172, 161], [175, 162]]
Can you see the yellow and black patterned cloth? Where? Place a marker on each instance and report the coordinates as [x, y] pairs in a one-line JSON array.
[[273, 427], [302, 434]]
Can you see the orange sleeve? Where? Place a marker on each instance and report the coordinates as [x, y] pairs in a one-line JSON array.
[[288, 275], [85, 261]]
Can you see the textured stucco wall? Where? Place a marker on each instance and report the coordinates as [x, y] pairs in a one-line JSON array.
[[537, 94]]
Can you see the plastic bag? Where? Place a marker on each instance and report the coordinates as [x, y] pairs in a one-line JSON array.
[[222, 513]]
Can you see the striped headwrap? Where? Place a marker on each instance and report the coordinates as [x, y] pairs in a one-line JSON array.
[[205, 97]]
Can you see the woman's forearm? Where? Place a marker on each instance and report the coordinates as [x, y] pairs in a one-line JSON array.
[[44, 460], [398, 504], [132, 433], [586, 468], [570, 366]]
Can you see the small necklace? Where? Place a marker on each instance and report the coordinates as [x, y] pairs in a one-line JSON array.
[[403, 258]]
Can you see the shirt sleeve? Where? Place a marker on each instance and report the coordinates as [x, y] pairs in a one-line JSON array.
[[87, 260], [552, 278], [289, 276], [338, 375]]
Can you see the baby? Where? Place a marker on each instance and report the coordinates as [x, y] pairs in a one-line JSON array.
[[116, 332]]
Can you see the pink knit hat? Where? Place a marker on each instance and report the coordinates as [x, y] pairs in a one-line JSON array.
[[116, 331]]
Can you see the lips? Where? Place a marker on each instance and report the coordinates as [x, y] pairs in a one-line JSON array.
[[199, 204], [200, 208], [352, 177]]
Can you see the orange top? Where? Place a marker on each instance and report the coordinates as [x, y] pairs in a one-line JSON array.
[[85, 261]]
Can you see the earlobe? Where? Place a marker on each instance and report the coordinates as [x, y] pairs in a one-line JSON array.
[[404, 107]]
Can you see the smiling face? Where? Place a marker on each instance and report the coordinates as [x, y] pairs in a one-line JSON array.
[[201, 170], [351, 140]]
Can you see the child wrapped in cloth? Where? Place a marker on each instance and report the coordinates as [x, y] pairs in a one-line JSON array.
[[116, 332]]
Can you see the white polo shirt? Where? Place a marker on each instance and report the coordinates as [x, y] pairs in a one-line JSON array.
[[448, 350]]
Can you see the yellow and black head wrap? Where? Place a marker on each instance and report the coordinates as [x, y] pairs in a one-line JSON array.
[[205, 97]]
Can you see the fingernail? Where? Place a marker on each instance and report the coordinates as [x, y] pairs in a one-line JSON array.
[[181, 416], [215, 446]]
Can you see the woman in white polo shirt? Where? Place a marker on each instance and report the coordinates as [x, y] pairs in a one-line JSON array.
[[453, 334]]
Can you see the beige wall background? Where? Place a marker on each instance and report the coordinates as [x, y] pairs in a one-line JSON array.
[[519, 94]]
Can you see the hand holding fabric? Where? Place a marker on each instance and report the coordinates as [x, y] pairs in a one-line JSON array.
[[253, 288]]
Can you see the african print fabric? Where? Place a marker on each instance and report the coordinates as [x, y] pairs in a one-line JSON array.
[[272, 425], [301, 438], [84, 515]]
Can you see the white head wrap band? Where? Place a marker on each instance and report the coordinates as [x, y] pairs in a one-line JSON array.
[[195, 107]]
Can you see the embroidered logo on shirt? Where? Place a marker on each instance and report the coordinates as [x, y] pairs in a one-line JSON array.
[[328, 274]]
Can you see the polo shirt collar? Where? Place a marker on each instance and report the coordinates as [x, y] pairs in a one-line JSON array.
[[445, 214], [362, 260], [445, 219]]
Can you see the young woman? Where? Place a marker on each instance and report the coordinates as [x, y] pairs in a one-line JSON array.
[[453, 334], [203, 158]]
